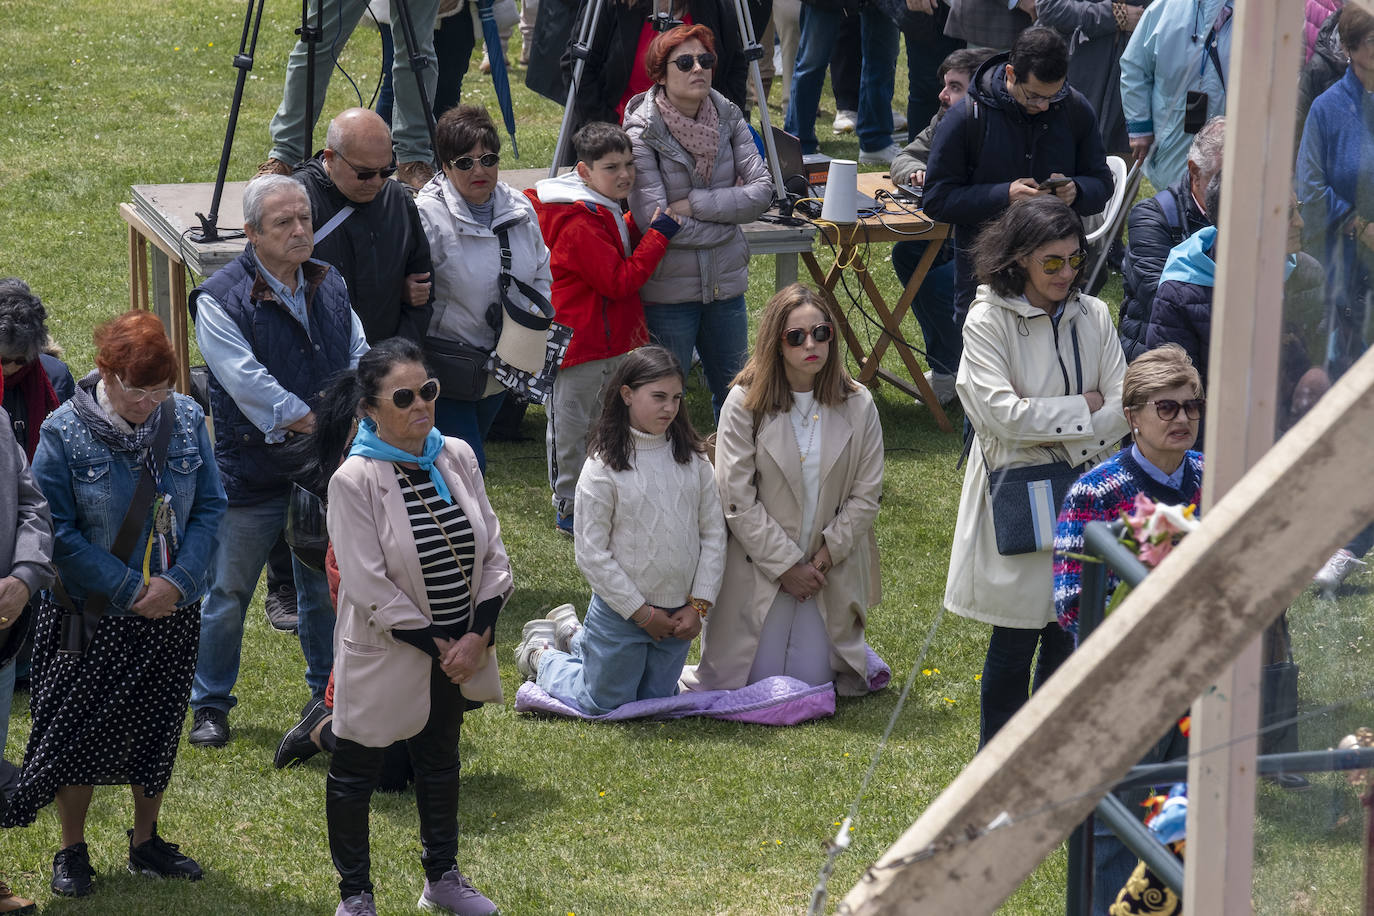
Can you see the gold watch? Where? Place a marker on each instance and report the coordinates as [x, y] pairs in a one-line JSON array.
[[700, 605]]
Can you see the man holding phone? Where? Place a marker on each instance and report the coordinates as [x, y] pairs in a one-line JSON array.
[[1021, 132]]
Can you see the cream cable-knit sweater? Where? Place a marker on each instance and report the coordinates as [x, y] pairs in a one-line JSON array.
[[654, 534]]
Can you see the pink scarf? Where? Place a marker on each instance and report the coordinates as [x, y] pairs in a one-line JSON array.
[[699, 136]]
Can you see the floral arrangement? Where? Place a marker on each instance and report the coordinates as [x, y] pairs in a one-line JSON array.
[[1152, 530]]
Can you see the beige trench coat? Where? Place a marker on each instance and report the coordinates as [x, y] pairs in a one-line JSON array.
[[760, 482], [1018, 384], [381, 685]]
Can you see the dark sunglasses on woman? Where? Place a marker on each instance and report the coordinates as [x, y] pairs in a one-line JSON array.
[[684, 63], [465, 163], [795, 337], [1054, 263], [404, 397], [1167, 408]]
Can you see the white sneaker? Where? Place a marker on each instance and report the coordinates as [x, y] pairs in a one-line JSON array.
[[898, 120], [565, 624], [1335, 571], [845, 122], [943, 386], [537, 636], [882, 156]]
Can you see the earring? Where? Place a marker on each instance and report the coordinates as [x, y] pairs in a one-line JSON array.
[[1136, 430]]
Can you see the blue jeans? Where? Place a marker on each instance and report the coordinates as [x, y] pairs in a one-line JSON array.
[[1007, 671], [719, 331], [386, 95], [246, 536], [469, 420], [933, 305], [6, 699], [613, 662], [880, 40]]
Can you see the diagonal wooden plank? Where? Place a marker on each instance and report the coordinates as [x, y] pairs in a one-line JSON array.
[[1254, 552]]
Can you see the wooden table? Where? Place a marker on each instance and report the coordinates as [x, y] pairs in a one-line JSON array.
[[850, 243], [162, 217]]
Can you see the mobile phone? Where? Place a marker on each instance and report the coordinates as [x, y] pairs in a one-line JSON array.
[[1049, 184], [910, 193], [1194, 111]]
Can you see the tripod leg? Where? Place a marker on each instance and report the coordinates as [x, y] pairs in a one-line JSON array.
[[420, 58], [753, 52], [337, 19], [587, 22]]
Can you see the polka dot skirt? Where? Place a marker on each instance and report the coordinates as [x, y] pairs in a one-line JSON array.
[[112, 716]]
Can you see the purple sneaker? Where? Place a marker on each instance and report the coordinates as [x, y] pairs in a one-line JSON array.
[[455, 895], [357, 905]]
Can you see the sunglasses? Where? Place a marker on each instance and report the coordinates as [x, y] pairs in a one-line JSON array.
[[1167, 408], [367, 174], [465, 163], [156, 395], [795, 337], [1053, 264], [684, 63], [404, 397]]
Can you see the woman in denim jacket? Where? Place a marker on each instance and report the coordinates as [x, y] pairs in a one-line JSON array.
[[112, 715]]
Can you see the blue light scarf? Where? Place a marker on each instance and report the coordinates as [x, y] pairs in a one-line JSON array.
[[367, 444]]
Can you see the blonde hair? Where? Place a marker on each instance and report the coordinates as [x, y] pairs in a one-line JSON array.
[[1159, 369], [764, 376]]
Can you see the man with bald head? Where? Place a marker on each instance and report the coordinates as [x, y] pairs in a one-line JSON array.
[[366, 227]]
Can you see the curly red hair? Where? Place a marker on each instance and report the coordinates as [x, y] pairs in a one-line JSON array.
[[135, 347], [662, 47]]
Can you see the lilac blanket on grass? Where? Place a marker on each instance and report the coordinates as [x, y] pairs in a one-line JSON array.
[[771, 701]]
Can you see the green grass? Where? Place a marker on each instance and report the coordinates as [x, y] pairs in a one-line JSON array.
[[558, 817]]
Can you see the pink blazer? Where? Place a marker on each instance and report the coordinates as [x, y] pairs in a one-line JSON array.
[[381, 685]]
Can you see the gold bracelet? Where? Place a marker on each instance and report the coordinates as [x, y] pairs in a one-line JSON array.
[[700, 605]]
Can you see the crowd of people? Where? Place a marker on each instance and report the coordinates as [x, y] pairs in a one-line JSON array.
[[361, 346]]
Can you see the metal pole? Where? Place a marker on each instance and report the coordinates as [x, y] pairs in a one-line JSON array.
[[1078, 896], [580, 50], [1139, 840], [311, 35], [419, 63], [753, 52], [1355, 758]]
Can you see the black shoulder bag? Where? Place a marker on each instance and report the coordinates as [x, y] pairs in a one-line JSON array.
[[78, 626]]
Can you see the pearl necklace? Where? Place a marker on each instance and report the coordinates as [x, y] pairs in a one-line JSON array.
[[813, 424]]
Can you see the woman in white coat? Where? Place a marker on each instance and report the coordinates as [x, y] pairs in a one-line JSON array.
[[464, 210], [1040, 382], [799, 466], [423, 576]]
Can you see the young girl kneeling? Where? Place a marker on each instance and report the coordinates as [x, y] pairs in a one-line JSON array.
[[650, 539]]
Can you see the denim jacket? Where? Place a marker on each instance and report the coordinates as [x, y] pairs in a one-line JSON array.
[[89, 488]]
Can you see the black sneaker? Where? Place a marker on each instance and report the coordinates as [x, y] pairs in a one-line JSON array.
[[210, 728], [72, 872], [157, 858], [280, 607], [297, 746]]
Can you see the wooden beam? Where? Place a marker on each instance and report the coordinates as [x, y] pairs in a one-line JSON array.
[[1247, 315], [1044, 771]]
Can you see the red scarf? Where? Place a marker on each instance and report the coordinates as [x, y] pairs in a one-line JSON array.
[[39, 400]]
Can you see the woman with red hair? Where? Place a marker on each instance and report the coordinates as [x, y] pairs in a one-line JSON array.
[[694, 153], [130, 477]]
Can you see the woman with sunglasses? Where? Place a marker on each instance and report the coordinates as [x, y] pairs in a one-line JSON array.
[[694, 154], [423, 576], [799, 467], [111, 683], [463, 208], [1040, 382]]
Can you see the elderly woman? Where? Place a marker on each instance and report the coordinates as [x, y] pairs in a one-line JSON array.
[[1040, 382], [799, 466], [466, 211], [136, 500], [36, 381], [423, 577], [695, 155]]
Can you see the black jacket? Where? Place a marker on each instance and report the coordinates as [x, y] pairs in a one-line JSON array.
[[374, 249], [1326, 65], [1150, 237]]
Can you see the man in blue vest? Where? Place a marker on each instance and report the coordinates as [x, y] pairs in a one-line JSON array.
[[273, 326]]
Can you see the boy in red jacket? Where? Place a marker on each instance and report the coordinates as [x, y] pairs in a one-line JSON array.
[[599, 263]]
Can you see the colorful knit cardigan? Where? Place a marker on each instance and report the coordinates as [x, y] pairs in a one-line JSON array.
[[1102, 494]]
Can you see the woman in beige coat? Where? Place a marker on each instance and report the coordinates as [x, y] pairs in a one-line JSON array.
[[423, 576], [799, 466], [1040, 381]]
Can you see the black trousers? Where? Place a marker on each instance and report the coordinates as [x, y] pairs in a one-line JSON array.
[[354, 772], [1007, 671]]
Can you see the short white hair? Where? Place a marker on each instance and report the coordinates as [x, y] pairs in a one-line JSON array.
[[1205, 153], [260, 189]]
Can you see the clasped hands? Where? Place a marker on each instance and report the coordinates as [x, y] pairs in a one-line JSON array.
[[804, 580], [680, 623], [461, 658]]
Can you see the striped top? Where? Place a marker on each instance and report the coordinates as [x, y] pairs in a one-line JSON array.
[[446, 586]]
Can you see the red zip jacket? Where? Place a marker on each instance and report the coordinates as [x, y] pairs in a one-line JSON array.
[[595, 286]]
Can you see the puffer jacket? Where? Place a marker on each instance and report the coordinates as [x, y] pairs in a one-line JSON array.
[[708, 259], [1150, 238], [1019, 386], [1315, 16], [1324, 68]]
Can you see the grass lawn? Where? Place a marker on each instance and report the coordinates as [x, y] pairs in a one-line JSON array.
[[558, 817]]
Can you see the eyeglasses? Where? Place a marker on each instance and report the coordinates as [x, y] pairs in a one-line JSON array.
[[404, 397], [1167, 408], [684, 63], [1034, 98], [367, 174], [795, 337], [156, 395], [465, 163], [1053, 264]]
